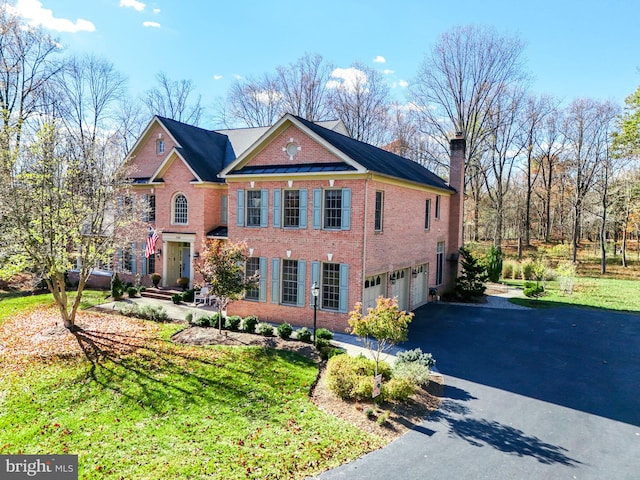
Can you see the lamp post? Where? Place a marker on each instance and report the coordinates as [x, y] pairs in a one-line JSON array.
[[315, 290]]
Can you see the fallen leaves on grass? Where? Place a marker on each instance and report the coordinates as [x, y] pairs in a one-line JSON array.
[[41, 335]]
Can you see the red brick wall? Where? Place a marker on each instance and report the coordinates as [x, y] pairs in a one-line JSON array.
[[144, 160]]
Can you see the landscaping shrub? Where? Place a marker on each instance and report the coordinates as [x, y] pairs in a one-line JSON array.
[[176, 298], [323, 333], [382, 419], [132, 292], [146, 312], [567, 276], [493, 262], [416, 373], [155, 279], [249, 323], [202, 321], [188, 317], [527, 271], [398, 390], [285, 330], [507, 269], [534, 290], [330, 351], [471, 283], [233, 322], [517, 271], [216, 321], [416, 356], [188, 295], [117, 287], [265, 329], [303, 334], [352, 377], [142, 289]]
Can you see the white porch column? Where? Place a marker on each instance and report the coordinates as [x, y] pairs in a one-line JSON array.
[[164, 262]]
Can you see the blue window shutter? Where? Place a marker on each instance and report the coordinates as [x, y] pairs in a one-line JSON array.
[[264, 208], [317, 208], [302, 282], [143, 259], [277, 195], [344, 288], [275, 280], [315, 277], [240, 209], [134, 257], [346, 209], [303, 207], [262, 293]]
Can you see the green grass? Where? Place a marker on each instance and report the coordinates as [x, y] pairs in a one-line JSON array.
[[172, 411], [14, 302], [603, 293]]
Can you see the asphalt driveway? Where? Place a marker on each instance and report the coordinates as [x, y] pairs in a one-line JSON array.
[[531, 394]]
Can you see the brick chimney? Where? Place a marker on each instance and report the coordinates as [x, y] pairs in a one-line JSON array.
[[457, 147]]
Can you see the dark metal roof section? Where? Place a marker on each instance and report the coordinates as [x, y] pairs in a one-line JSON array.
[[296, 168], [218, 232], [378, 160], [206, 151]]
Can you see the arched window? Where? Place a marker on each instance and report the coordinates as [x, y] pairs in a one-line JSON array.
[[180, 211]]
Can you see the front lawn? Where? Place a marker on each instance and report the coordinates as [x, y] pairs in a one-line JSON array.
[[606, 293], [132, 404]]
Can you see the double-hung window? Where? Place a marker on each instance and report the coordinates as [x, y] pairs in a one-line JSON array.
[[437, 212], [427, 214], [331, 286], [291, 209], [289, 282], [378, 211], [251, 267], [254, 208], [332, 209], [439, 263]]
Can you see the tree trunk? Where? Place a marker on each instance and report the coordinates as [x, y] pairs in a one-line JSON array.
[[57, 287]]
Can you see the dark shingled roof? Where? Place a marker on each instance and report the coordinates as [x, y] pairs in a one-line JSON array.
[[220, 232], [207, 152], [377, 160]]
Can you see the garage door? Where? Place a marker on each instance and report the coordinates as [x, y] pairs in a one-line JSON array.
[[373, 288], [419, 290], [400, 287]]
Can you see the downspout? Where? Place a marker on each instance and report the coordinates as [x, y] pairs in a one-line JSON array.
[[364, 235]]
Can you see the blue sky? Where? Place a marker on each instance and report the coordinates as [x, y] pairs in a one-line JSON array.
[[586, 48]]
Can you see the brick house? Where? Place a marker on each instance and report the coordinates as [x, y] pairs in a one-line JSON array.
[[312, 204]]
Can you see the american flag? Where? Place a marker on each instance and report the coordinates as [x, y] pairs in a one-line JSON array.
[[152, 238]]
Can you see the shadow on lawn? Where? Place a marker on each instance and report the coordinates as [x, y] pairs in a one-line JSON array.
[[158, 374]]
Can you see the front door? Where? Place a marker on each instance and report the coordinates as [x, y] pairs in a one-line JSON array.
[[185, 264]]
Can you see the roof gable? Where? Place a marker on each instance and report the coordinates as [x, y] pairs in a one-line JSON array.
[[205, 152]]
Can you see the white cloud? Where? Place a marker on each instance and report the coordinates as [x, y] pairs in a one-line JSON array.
[[33, 11], [156, 10], [237, 77], [139, 6], [151, 24], [388, 72], [403, 83], [379, 59], [267, 97], [351, 79], [217, 77]]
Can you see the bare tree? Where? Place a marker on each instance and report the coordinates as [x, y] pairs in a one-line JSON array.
[[504, 146], [255, 102], [458, 84], [303, 86], [359, 97], [174, 99], [27, 62], [586, 127]]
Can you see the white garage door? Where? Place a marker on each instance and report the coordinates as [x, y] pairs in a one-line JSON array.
[[400, 288], [419, 290], [373, 288]]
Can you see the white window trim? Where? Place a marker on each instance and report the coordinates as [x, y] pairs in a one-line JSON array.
[[173, 209]]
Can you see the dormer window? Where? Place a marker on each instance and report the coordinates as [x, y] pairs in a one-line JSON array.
[[160, 146]]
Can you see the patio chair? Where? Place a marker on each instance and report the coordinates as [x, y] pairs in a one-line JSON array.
[[202, 296]]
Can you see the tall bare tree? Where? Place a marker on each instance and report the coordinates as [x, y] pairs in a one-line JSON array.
[[174, 99], [359, 97], [458, 84], [254, 102], [303, 86]]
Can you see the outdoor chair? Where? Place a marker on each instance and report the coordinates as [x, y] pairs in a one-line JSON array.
[[202, 296]]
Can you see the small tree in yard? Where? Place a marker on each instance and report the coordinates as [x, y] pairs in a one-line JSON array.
[[382, 327], [474, 276], [222, 268]]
